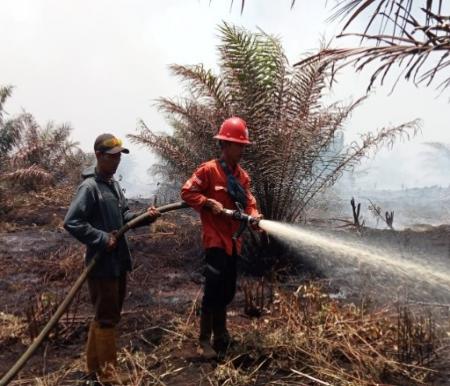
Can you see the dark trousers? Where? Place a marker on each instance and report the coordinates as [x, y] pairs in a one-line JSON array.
[[220, 279], [107, 297]]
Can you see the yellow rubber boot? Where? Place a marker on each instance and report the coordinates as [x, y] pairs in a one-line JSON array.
[[92, 365], [105, 339]]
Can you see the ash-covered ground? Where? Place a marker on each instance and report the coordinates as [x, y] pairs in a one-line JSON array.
[[40, 261]]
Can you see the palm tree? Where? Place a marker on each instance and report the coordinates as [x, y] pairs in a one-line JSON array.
[[291, 128], [32, 156], [9, 128]]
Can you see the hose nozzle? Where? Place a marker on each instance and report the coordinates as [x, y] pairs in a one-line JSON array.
[[242, 217]]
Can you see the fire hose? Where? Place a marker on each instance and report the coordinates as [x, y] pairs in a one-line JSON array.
[[73, 291], [237, 215]]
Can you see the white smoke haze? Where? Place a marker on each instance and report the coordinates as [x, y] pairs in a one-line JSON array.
[[101, 65]]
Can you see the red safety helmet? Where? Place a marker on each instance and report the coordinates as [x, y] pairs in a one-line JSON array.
[[233, 129]]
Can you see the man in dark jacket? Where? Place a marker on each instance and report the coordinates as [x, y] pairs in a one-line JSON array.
[[97, 211]]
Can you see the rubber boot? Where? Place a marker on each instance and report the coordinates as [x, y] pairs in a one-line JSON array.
[[92, 365], [105, 340], [205, 349], [222, 339]]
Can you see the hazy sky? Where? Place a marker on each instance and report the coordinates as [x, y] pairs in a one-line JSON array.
[[100, 65]]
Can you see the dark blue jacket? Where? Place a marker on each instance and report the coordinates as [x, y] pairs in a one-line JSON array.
[[98, 208]]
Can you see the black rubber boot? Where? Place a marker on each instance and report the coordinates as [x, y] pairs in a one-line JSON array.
[[222, 338], [205, 348], [87, 379]]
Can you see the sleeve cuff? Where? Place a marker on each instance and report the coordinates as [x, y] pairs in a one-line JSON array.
[[104, 239], [203, 201]]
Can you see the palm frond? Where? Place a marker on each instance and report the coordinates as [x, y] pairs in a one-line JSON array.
[[410, 55], [386, 16], [202, 83], [411, 35], [243, 4], [5, 93], [10, 134], [30, 178]]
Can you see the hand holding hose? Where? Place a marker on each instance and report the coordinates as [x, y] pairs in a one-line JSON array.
[[215, 206], [112, 241], [153, 213]]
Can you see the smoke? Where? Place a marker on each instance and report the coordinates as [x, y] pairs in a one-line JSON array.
[[134, 177], [408, 165]]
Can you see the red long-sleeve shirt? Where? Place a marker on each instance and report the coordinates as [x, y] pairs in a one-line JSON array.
[[210, 181]]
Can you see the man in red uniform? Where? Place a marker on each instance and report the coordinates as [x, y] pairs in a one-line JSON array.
[[215, 185]]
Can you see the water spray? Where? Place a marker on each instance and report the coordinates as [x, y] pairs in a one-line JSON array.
[[344, 251]]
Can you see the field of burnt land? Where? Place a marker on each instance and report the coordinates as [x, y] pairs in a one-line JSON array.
[[347, 280], [333, 330]]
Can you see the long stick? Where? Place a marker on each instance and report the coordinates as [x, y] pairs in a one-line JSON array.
[[73, 291]]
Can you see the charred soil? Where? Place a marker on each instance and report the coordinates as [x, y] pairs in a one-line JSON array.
[[301, 335]]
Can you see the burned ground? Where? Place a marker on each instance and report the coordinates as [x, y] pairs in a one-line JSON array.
[[302, 333]]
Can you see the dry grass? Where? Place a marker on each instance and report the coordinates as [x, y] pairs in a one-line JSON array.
[[304, 338], [300, 338], [307, 332], [61, 377], [11, 327], [19, 205], [62, 266], [6, 227], [307, 337], [60, 195], [163, 226], [56, 272], [186, 234]]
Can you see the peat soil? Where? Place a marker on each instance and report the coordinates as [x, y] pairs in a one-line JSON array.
[[39, 262]]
